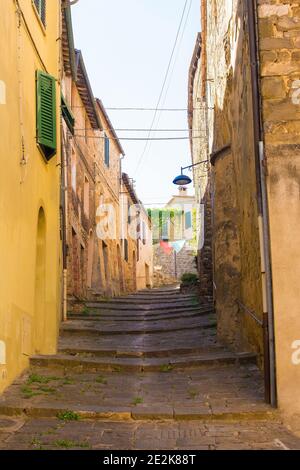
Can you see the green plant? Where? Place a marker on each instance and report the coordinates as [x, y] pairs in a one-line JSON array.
[[193, 393], [47, 389], [85, 311], [40, 379], [68, 416], [68, 444], [166, 368], [68, 381], [28, 392], [189, 279], [37, 444], [101, 380], [137, 401]]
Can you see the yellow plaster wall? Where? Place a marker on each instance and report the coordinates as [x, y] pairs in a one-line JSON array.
[[25, 188]]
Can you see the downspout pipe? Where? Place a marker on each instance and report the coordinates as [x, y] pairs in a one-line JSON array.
[[263, 210]]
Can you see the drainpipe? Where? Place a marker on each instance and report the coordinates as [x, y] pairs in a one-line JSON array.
[[263, 217], [64, 205]]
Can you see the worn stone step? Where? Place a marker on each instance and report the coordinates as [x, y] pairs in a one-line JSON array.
[[97, 330], [145, 342], [140, 314], [156, 298], [122, 364], [142, 354], [134, 318], [155, 302], [139, 306], [219, 392], [142, 413]]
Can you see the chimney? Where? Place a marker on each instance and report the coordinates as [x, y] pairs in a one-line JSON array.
[[183, 191]]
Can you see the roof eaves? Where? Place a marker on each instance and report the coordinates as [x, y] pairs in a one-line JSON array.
[[81, 65], [69, 26]]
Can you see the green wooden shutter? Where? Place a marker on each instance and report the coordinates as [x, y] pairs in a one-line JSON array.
[[46, 114]]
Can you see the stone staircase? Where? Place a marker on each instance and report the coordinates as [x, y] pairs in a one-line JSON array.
[[151, 355]]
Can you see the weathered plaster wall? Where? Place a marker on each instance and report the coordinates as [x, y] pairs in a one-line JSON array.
[[29, 258]]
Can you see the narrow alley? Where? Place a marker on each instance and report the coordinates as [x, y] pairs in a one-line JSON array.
[[149, 228], [138, 372]]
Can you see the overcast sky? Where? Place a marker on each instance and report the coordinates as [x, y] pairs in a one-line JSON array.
[[126, 47]]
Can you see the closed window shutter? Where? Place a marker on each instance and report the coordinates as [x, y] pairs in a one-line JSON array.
[[46, 114]]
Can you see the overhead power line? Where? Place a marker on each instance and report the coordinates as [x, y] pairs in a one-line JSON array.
[[140, 138], [175, 61], [151, 109], [143, 130], [164, 84]]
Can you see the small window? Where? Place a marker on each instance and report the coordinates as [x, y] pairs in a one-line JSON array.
[[106, 150], [40, 6], [126, 257], [67, 114], [74, 171], [129, 213], [46, 114], [86, 201], [188, 220], [144, 234]]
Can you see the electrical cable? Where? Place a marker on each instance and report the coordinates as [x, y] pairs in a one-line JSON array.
[[173, 68], [164, 84], [135, 139]]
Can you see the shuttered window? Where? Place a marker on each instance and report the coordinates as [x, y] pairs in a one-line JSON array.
[[40, 6], [46, 114], [67, 114]]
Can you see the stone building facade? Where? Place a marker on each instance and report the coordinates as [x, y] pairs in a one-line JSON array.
[[248, 80], [109, 277], [129, 232], [80, 151], [99, 261]]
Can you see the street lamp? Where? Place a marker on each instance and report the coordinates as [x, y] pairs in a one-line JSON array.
[[182, 179]]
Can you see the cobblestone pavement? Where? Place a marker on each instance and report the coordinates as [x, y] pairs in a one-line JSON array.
[[141, 372]]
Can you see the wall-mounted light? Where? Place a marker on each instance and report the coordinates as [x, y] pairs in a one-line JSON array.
[[182, 179], [69, 3]]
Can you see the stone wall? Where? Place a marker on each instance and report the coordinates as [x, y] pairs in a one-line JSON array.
[[199, 149], [236, 254], [172, 266], [236, 214]]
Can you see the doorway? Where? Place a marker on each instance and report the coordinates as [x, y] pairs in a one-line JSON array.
[[40, 284], [134, 281]]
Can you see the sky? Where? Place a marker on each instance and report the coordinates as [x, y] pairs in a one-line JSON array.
[[126, 47]]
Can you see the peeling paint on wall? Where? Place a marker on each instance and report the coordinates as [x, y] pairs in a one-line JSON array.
[[2, 92], [2, 353]]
